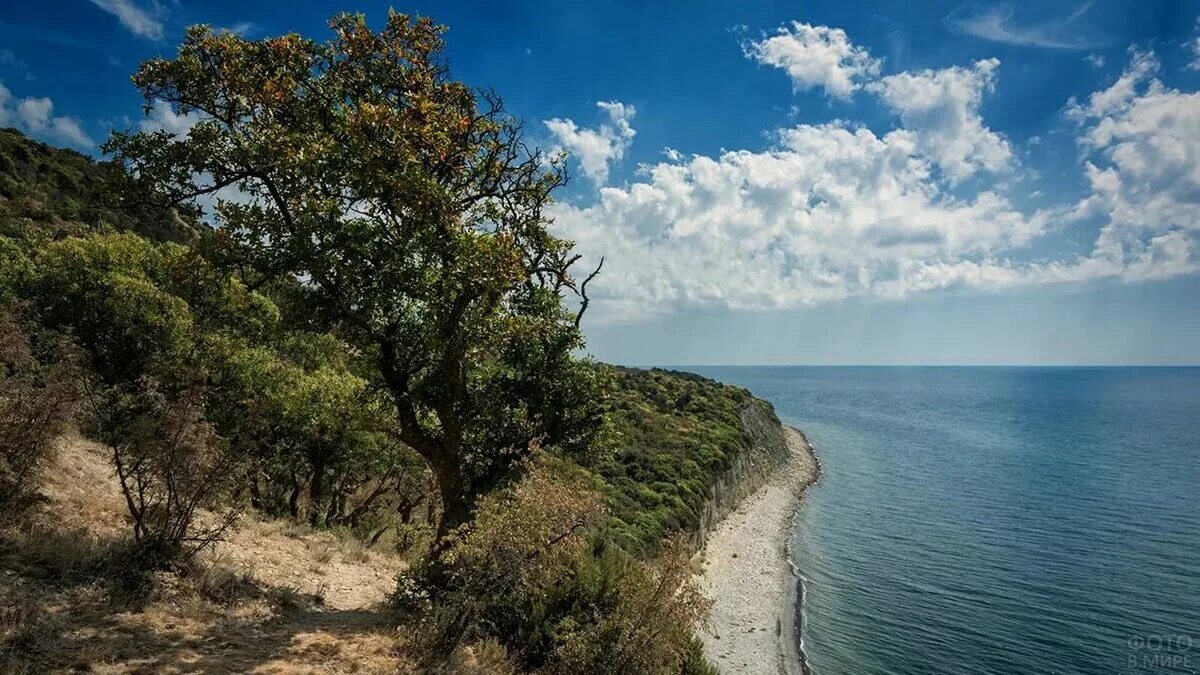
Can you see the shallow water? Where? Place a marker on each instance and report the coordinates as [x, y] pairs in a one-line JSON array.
[[997, 520]]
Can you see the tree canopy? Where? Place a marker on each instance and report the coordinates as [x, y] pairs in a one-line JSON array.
[[407, 212]]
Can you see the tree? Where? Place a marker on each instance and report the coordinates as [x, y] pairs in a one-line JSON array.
[[308, 421], [410, 213]]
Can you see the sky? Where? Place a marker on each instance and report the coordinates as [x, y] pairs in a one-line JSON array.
[[790, 182]]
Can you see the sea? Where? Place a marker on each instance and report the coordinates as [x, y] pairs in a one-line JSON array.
[[995, 519]]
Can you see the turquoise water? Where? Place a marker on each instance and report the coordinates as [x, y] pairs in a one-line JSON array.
[[997, 520]]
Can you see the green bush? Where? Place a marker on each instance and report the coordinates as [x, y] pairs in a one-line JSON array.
[[317, 437], [534, 575]]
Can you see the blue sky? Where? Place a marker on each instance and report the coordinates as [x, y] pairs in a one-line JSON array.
[[802, 182]]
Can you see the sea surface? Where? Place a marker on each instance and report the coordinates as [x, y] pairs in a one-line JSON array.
[[996, 520]]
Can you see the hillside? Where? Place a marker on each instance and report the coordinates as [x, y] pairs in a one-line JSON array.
[[681, 443], [276, 597], [267, 483], [281, 597], [56, 189], [293, 589]]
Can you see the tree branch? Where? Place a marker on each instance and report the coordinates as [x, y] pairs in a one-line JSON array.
[[584, 300]]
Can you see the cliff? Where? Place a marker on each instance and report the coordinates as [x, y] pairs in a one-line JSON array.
[[765, 452]]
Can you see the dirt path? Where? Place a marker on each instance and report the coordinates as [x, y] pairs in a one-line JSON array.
[[277, 597]]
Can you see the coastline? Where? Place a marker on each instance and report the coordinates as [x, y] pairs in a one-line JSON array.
[[753, 626]]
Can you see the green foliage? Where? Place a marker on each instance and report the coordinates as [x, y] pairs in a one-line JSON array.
[[412, 211], [673, 435], [308, 420], [54, 190], [694, 661], [534, 575], [287, 402], [113, 293]]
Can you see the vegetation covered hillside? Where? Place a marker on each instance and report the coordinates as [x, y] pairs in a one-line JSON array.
[[376, 343], [675, 434], [57, 189]]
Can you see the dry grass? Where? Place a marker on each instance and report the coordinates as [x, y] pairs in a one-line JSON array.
[[276, 598]]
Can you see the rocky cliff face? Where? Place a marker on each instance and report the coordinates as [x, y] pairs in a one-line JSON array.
[[767, 450]]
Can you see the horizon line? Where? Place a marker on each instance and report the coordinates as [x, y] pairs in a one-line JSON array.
[[912, 365]]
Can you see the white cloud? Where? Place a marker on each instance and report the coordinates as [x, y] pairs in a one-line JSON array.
[[942, 108], [35, 116], [1142, 65], [596, 149], [1095, 60], [241, 28], [162, 117], [1194, 48], [828, 213], [836, 210], [1142, 141], [139, 21], [816, 56], [995, 23], [34, 113]]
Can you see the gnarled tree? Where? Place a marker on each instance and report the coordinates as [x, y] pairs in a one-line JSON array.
[[408, 210]]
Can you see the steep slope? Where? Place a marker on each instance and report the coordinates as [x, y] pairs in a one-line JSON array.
[[56, 190], [687, 449]]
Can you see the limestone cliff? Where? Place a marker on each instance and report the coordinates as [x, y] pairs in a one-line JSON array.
[[766, 450]]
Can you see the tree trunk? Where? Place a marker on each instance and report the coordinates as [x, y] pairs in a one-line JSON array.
[[456, 504], [316, 491], [255, 491], [440, 450], [406, 509], [375, 537], [294, 498]]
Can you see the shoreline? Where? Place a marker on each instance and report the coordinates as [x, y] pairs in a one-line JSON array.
[[755, 623]]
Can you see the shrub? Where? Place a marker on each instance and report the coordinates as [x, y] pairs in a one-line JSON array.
[[641, 614], [39, 374], [170, 463], [531, 575]]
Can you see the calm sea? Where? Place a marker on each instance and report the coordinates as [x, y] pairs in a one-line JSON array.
[[997, 520]]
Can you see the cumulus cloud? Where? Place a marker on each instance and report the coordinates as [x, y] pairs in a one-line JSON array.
[[942, 108], [1142, 66], [828, 212], [596, 149], [1142, 141], [816, 56], [35, 116], [835, 210], [137, 20]]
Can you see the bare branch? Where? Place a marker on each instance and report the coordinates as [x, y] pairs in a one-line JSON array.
[[584, 300]]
